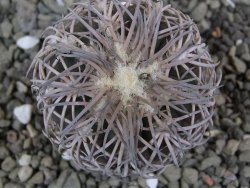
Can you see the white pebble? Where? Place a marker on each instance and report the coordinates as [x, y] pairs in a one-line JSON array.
[[66, 155], [152, 182], [23, 113], [27, 42], [60, 2], [24, 160]]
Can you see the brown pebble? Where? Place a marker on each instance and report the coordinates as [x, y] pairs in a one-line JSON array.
[[216, 32], [11, 136], [208, 180]]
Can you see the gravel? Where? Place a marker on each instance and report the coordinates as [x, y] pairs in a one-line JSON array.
[[172, 173], [210, 161], [25, 173], [8, 164], [190, 175]]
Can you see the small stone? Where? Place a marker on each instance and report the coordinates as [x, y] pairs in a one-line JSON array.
[[4, 123], [152, 182], [13, 185], [25, 173], [21, 87], [104, 184], [210, 161], [6, 28], [11, 136], [208, 180], [214, 4], [245, 145], [37, 178], [8, 164], [32, 131], [91, 183], [244, 2], [231, 147], [3, 152], [72, 181], [5, 4], [220, 145], [23, 113], [27, 42], [47, 161], [24, 160], [13, 174], [245, 156], [240, 65], [248, 74], [172, 173], [114, 182], [199, 12], [245, 172], [190, 175]]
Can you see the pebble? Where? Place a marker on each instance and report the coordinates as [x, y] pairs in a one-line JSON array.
[[172, 173], [244, 2], [245, 145], [190, 175], [91, 183], [23, 113], [25, 173], [32, 131], [27, 42], [231, 147], [240, 65], [6, 28], [37, 178], [4, 152], [245, 172], [24, 160], [152, 182], [8, 164], [199, 12], [11, 136], [210, 161], [72, 181], [114, 182], [245, 156], [248, 74], [4, 123], [21, 87], [104, 184]]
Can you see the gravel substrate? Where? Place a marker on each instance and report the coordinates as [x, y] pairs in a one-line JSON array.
[[27, 158]]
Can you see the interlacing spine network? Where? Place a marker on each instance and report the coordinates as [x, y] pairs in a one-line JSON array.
[[139, 126]]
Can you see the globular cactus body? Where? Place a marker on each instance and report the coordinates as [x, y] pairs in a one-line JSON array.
[[125, 87]]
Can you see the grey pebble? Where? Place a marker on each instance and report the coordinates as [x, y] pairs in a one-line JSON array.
[[231, 147], [8, 164], [104, 184], [6, 28], [199, 12], [245, 145], [4, 152], [72, 181], [245, 172], [173, 184], [190, 175], [114, 182], [172, 173], [25, 173], [37, 178], [13, 185], [210, 161], [240, 65], [91, 183], [244, 2], [245, 156]]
